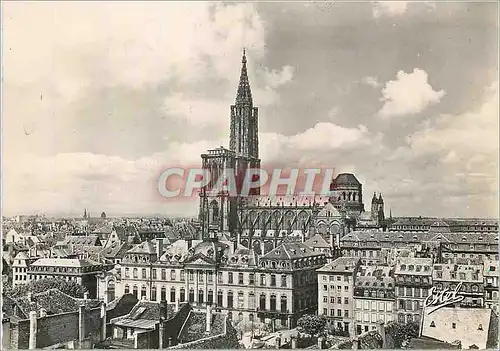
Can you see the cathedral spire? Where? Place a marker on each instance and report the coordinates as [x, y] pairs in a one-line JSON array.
[[244, 95]]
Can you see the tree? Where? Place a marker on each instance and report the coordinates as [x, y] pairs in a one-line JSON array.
[[401, 333], [37, 286], [311, 324]]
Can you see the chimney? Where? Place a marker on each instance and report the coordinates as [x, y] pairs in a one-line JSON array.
[[294, 342], [86, 295], [278, 341], [33, 330], [381, 331], [30, 296], [209, 319], [81, 324], [43, 312], [103, 321], [355, 343], [159, 249], [320, 342]]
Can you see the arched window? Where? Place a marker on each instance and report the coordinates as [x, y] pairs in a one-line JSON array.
[[230, 299], [219, 298], [172, 294], [191, 295], [135, 291], [143, 292], [214, 207], [163, 294], [262, 302], [240, 316], [200, 296], [153, 293], [182, 294], [135, 273], [433, 324], [111, 290], [251, 300], [283, 304], [210, 297], [127, 289]]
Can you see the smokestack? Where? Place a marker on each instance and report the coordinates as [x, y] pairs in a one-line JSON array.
[[159, 249], [33, 330], [209, 319], [381, 331]]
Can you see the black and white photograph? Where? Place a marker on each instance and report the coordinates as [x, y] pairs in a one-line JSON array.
[[250, 175]]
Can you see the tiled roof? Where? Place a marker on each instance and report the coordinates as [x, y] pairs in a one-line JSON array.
[[290, 251], [64, 262], [317, 241], [81, 240], [346, 179], [146, 247], [53, 301], [464, 272], [413, 266], [145, 314], [341, 265]]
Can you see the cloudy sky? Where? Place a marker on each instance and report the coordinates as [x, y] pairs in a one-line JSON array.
[[100, 97]]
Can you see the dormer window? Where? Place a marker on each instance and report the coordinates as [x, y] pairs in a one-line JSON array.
[[433, 325], [480, 327]]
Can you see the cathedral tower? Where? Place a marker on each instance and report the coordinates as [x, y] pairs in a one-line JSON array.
[[244, 139], [219, 213]]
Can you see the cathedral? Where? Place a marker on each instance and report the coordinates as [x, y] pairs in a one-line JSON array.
[[260, 221]]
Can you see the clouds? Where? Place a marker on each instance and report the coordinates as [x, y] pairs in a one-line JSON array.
[[409, 94], [103, 96], [389, 8]]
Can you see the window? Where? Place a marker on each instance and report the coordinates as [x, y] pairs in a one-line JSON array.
[[273, 280], [346, 288], [433, 324], [182, 275], [163, 294], [339, 278], [240, 278], [201, 296], [172, 294], [190, 275], [143, 273], [210, 276], [219, 298], [251, 300], [172, 274], [230, 278], [325, 311], [182, 296], [454, 325], [251, 278], [127, 273], [127, 289], [283, 281], [201, 274], [480, 327], [332, 312], [346, 313], [273, 302], [262, 279], [339, 312], [339, 300], [346, 278], [163, 274], [332, 299], [219, 277], [153, 293], [154, 274], [325, 299], [325, 287], [135, 273], [230, 299], [191, 295], [143, 292], [262, 301]]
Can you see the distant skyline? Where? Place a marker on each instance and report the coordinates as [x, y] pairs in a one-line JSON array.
[[100, 97]]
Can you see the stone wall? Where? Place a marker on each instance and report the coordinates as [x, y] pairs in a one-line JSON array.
[[228, 339], [57, 329]]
